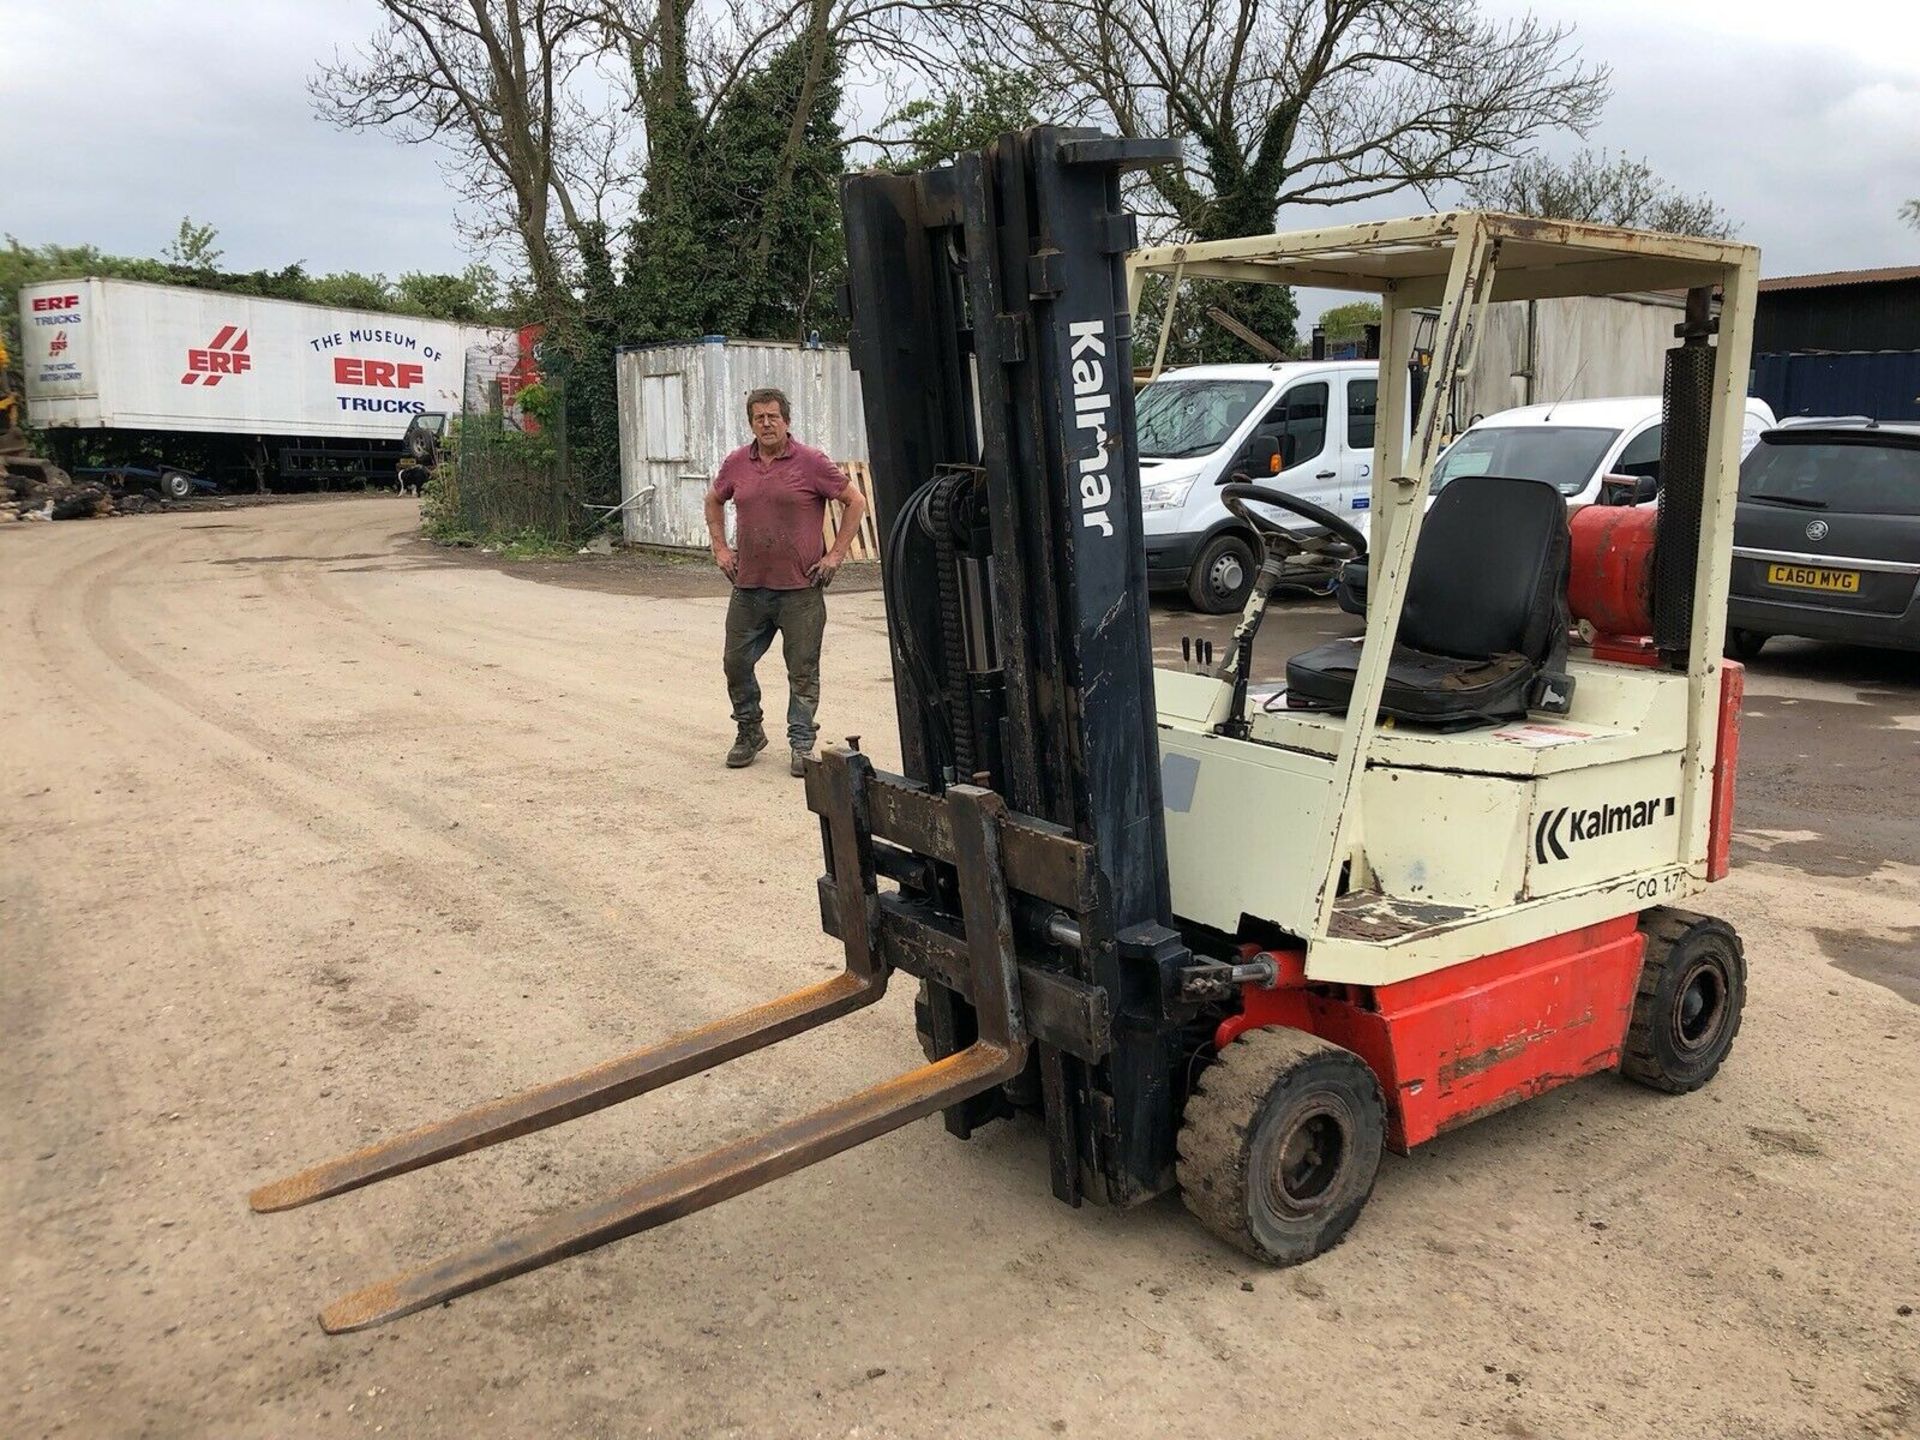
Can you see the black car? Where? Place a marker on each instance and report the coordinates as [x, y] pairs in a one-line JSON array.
[[1826, 540]]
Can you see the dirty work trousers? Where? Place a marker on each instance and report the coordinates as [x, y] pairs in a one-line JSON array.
[[800, 617]]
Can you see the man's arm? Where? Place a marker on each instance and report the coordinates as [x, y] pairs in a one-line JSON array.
[[723, 555], [825, 568]]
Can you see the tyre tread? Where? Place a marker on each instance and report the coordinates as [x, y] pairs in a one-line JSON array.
[[1215, 1146], [1665, 928]]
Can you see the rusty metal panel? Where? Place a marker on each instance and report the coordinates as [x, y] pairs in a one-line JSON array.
[[1040, 858], [1061, 1011], [683, 408]]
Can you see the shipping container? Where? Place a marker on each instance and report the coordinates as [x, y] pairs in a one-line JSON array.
[[298, 389], [684, 407], [1880, 384]]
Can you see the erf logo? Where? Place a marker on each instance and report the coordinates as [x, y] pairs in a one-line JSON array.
[[58, 344], [384, 374], [226, 355], [43, 303]]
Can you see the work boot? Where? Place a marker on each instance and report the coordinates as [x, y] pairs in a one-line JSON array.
[[797, 766], [748, 743]]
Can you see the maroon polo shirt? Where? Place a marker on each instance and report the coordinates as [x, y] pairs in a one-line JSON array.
[[780, 508]]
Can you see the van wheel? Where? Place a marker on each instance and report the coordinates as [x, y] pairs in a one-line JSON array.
[[1222, 576], [1744, 644]]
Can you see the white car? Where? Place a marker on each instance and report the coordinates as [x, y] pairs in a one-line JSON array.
[[1574, 444], [1304, 427]]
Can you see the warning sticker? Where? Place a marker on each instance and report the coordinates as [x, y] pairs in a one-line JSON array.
[[1539, 737]]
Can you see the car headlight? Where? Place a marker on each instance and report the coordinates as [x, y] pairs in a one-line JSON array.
[[1165, 494]]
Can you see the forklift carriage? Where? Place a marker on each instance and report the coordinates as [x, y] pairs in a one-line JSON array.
[[1228, 941]]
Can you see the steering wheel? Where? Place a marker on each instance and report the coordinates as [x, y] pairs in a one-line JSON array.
[[1236, 495]]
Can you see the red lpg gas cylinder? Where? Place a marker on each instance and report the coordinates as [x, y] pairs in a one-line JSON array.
[[1611, 584]]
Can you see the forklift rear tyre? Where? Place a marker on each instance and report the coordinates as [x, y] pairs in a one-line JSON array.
[[1281, 1143], [1223, 575], [1693, 986]]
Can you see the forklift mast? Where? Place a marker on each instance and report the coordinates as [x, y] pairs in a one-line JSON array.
[[993, 338]]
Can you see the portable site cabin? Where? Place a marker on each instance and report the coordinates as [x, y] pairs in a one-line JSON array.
[[683, 407]]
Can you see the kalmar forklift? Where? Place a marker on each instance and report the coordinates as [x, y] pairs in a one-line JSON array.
[[1217, 937]]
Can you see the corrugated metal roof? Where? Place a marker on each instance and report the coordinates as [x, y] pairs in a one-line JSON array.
[[1841, 277]]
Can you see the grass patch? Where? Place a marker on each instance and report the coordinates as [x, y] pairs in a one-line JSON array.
[[532, 545]]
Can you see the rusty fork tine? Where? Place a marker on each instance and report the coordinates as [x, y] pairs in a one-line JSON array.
[[594, 1089], [684, 1188]]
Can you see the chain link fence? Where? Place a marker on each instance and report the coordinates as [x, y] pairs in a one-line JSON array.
[[506, 473]]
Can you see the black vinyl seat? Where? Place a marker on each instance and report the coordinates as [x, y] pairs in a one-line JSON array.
[[1483, 633]]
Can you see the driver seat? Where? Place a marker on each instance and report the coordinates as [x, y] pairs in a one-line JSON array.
[[1483, 633]]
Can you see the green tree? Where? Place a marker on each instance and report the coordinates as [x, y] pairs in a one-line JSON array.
[[350, 290], [1349, 321], [193, 248], [1197, 338], [472, 296], [738, 231], [983, 102]]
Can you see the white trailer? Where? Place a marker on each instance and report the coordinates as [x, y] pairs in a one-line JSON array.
[[299, 390]]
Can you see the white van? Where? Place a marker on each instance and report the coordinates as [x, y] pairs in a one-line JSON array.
[[1575, 443], [1199, 425]]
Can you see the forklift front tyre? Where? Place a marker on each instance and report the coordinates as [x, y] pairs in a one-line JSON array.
[[1280, 1144], [1693, 986]]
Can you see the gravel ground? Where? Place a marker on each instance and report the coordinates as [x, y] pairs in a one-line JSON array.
[[311, 832]]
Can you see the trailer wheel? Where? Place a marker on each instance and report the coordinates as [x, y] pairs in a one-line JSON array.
[[1693, 987], [1281, 1143], [1223, 575], [175, 486]]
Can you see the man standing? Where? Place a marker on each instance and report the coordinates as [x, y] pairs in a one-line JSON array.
[[780, 570]]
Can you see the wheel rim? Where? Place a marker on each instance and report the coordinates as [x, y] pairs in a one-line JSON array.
[[1304, 1161], [1227, 575], [1700, 1007]]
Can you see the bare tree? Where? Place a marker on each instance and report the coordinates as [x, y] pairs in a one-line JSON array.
[[495, 82], [1606, 191], [1910, 212], [1296, 102]]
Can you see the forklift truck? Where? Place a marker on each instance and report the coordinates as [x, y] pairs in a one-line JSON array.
[[1230, 942]]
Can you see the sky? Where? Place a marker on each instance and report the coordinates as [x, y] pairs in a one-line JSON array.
[[1802, 121]]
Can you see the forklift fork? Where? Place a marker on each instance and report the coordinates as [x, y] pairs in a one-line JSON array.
[[997, 1055]]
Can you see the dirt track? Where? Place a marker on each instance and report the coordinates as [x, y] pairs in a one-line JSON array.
[[308, 833]]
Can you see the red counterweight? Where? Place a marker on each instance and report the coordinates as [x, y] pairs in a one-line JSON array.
[[1610, 584]]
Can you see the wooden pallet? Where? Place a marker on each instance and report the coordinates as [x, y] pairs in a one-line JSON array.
[[866, 543]]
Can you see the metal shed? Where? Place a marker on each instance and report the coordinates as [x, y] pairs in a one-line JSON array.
[[683, 407], [1576, 348]]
